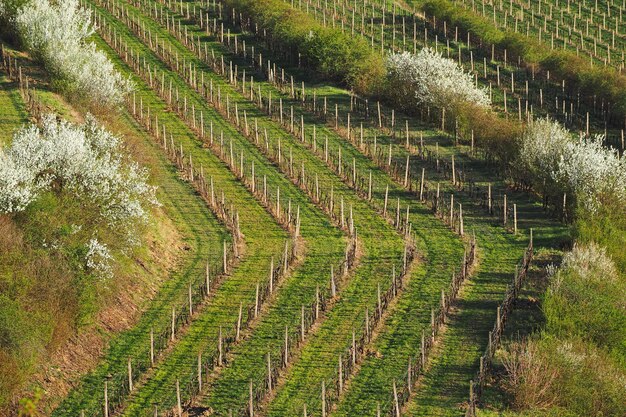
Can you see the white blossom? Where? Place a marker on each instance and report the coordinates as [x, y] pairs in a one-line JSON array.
[[592, 171], [98, 259], [585, 168], [85, 160], [430, 79], [17, 185], [56, 34], [589, 260], [542, 145]]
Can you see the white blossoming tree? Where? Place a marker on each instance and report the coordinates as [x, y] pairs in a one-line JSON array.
[[593, 172], [541, 146], [585, 168], [56, 34], [430, 79], [84, 161]]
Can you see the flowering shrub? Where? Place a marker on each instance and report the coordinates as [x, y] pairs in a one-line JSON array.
[[56, 35], [593, 172], [17, 185], [98, 259], [430, 79], [590, 260], [542, 145], [85, 160], [587, 169]]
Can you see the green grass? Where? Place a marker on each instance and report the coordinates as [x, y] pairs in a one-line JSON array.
[[263, 238], [444, 237], [13, 111]]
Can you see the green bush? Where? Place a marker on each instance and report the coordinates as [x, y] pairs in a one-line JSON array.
[[332, 53], [587, 300], [607, 227]]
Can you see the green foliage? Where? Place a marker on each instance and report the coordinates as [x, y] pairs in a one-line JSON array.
[[495, 134], [575, 366], [464, 19], [587, 300], [334, 54]]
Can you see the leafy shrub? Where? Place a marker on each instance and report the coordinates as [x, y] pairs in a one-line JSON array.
[[494, 134], [430, 79], [8, 11], [56, 35], [585, 169], [575, 366], [587, 300], [607, 227], [332, 53]]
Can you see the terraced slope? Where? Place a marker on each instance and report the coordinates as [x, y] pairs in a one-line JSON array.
[[500, 250], [260, 357], [327, 248]]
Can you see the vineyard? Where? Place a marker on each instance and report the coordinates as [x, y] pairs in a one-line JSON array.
[[312, 208]]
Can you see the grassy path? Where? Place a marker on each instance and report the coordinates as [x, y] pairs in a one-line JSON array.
[[13, 113]]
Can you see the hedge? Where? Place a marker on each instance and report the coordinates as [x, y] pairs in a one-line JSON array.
[[332, 53]]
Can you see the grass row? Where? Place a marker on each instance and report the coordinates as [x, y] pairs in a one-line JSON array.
[[13, 110], [264, 241], [501, 255]]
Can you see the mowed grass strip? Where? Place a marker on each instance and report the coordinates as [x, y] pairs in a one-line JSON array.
[[14, 113], [381, 244]]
